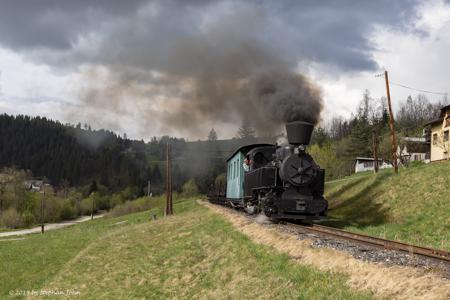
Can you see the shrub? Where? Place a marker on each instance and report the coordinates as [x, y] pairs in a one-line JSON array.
[[68, 210], [52, 209], [11, 218], [115, 200], [101, 202], [28, 218], [86, 206], [137, 205], [190, 188]]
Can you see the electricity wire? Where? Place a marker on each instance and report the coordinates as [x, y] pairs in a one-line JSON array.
[[419, 90]]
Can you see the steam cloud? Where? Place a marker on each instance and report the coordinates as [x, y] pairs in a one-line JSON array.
[[214, 78], [223, 91]]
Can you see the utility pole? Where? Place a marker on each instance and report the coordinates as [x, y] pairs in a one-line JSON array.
[[148, 188], [374, 150], [169, 209], [93, 206], [391, 124], [42, 207]]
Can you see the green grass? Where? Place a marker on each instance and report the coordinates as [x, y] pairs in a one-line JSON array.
[[412, 206], [194, 254]]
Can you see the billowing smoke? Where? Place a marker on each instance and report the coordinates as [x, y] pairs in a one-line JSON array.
[[222, 91], [213, 78], [286, 97]]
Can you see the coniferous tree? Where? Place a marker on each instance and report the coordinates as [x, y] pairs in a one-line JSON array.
[[246, 131], [212, 136]]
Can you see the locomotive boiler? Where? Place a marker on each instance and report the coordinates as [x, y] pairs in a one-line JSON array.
[[280, 181]]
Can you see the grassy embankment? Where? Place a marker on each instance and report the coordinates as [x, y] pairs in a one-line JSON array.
[[413, 206], [192, 254]]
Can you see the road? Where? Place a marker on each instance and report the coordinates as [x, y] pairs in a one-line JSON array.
[[49, 226]]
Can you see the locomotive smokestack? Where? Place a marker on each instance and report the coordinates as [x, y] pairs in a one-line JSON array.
[[299, 133]]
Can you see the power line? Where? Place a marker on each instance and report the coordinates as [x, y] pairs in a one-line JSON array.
[[419, 90]]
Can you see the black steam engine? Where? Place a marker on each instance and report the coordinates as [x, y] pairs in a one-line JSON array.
[[281, 181]]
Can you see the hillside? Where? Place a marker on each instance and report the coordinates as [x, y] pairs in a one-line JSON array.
[[413, 206], [193, 254], [65, 153]]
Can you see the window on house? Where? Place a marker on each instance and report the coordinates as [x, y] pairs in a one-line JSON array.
[[446, 136], [435, 138], [368, 164]]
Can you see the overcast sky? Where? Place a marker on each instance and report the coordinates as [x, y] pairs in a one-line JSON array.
[[127, 65]]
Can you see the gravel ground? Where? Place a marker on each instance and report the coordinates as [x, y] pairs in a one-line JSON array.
[[369, 253], [359, 251]]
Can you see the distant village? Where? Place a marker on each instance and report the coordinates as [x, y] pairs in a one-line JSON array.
[[433, 146]]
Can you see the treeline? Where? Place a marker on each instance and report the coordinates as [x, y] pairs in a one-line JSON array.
[[337, 145], [64, 153], [76, 155]]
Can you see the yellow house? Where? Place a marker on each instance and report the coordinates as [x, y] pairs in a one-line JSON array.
[[439, 133]]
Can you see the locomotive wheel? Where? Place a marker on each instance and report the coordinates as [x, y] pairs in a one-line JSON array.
[[298, 171]]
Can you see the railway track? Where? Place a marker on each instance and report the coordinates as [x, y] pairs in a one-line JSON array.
[[374, 242], [437, 254]]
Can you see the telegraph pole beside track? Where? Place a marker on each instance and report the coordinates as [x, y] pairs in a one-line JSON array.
[[374, 150], [169, 209], [391, 124], [42, 206]]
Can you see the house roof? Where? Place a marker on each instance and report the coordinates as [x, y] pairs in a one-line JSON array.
[[414, 139], [441, 116], [367, 158], [438, 120], [444, 109]]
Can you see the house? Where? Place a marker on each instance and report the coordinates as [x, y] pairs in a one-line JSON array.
[[363, 164], [439, 135], [33, 185], [413, 149]]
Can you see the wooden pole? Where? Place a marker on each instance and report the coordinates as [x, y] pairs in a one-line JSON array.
[[169, 209], [170, 181], [93, 206], [374, 150], [42, 208], [391, 124]]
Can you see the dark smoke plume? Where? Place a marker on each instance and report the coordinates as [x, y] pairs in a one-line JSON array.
[[286, 97], [214, 78]]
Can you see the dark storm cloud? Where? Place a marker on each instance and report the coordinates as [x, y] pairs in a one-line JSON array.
[[330, 31], [214, 56]]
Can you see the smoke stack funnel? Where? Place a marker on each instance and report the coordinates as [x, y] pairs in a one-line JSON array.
[[299, 133]]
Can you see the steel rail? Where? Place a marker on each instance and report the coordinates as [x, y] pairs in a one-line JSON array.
[[377, 242]]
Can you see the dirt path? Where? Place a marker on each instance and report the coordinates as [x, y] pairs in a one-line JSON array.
[[49, 226], [392, 282]]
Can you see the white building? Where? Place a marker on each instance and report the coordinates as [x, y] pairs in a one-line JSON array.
[[413, 149], [439, 134], [363, 164]]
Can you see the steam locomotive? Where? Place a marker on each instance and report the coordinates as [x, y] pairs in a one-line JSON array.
[[281, 181]]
